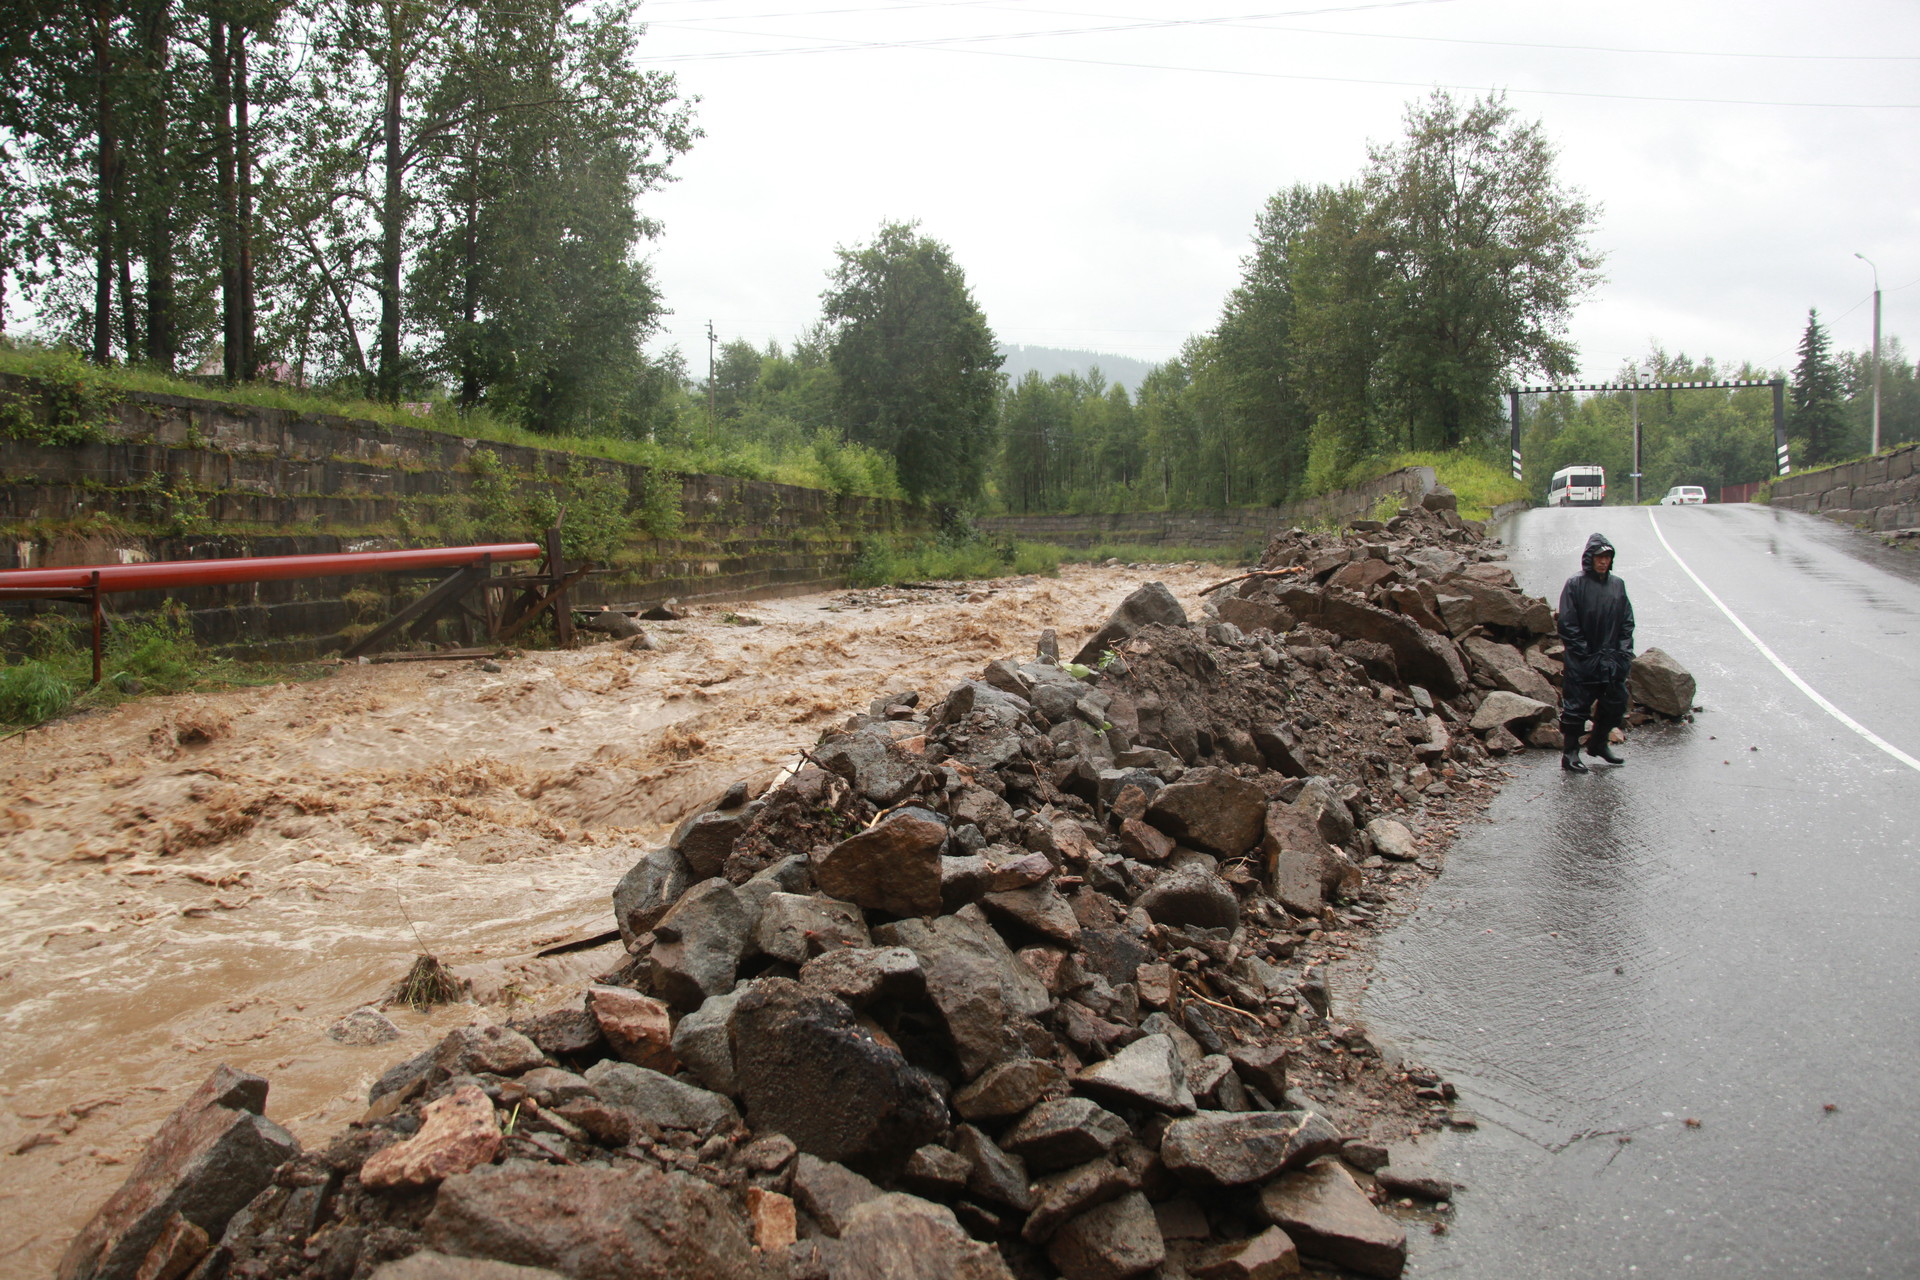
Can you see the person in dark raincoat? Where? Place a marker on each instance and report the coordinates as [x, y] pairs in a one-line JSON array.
[[1596, 626]]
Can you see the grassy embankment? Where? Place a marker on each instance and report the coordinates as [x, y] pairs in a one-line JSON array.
[[152, 655], [1479, 484], [91, 388]]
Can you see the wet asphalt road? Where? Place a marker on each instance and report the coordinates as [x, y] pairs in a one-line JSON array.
[[1725, 929]]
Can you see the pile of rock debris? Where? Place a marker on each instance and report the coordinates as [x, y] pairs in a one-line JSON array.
[[1024, 980]]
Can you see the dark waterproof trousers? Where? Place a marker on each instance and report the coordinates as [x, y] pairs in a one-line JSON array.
[[1602, 698]]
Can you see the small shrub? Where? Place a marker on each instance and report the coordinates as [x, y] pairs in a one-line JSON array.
[[32, 692], [160, 652], [659, 512]]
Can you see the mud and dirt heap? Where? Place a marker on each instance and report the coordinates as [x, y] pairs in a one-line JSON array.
[[1023, 980]]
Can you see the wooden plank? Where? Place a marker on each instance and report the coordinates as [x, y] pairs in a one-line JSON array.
[[438, 598], [429, 655], [542, 601]]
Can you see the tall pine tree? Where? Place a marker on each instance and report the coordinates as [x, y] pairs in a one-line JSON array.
[[1818, 416]]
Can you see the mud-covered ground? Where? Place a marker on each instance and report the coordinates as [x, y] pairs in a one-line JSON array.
[[219, 878]]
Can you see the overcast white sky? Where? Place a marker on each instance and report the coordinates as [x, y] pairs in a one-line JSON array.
[[1096, 165]]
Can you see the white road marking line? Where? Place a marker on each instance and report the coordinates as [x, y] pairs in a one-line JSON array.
[[1774, 658]]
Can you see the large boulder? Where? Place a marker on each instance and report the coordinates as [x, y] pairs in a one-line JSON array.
[[893, 866], [592, 1223], [1420, 656], [1660, 684], [1191, 896], [1211, 809], [1147, 1073], [902, 1237], [1327, 1214], [986, 997], [1504, 710], [879, 771], [648, 891], [1226, 1149], [807, 1068], [1110, 1242], [210, 1157], [1304, 871], [1148, 605], [669, 1103], [699, 944], [705, 839]]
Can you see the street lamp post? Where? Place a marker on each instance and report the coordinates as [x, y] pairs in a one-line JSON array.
[[1876, 349]]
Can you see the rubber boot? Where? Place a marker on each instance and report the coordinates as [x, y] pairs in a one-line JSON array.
[[1603, 750], [1570, 761]]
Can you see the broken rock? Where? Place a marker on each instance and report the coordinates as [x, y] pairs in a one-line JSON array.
[[796, 927], [1211, 809], [639, 1028], [1660, 684], [1110, 1242], [210, 1157], [1064, 1132], [1329, 1217], [1148, 605], [1191, 897], [457, 1133], [1271, 1255], [591, 1223], [1503, 709], [1391, 839], [807, 1068], [1147, 1073], [983, 994], [894, 866], [1220, 1149], [698, 945], [669, 1103], [648, 890], [902, 1237]]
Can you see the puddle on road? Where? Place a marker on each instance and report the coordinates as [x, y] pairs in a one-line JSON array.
[[196, 880]]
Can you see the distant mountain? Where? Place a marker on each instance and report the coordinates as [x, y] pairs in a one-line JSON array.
[[1048, 361]]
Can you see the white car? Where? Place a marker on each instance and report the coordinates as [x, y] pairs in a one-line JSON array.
[[1684, 495]]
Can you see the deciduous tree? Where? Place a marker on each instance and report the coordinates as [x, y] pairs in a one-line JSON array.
[[917, 366]]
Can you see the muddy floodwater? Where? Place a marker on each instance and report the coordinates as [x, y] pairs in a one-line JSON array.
[[204, 879]]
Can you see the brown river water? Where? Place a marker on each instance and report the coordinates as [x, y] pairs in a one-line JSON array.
[[218, 878]]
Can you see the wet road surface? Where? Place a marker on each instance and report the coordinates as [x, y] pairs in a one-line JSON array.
[[1724, 930]]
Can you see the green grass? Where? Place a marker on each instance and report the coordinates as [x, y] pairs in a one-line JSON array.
[[844, 468], [53, 666], [1479, 484], [1137, 553], [883, 563]]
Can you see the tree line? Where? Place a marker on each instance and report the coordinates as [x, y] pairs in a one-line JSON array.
[[440, 199], [401, 197]]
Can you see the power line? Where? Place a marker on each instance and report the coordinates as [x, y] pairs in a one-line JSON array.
[[948, 44]]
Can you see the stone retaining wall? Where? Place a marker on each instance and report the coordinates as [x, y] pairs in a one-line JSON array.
[[1234, 527], [275, 482], [1881, 493]]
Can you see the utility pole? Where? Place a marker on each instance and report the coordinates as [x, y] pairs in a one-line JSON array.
[[710, 411], [1876, 349], [1639, 377]]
